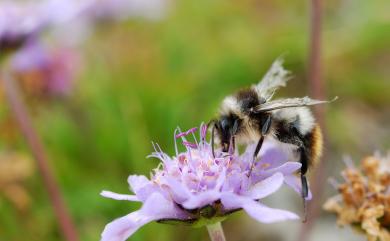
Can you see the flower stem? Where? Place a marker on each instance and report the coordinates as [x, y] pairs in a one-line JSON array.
[[19, 109], [216, 232], [318, 91]]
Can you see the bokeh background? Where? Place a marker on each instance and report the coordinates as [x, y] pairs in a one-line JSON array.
[[138, 80]]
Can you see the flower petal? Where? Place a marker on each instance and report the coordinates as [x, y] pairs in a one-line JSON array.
[[137, 182], [256, 210], [265, 214], [122, 228], [233, 181], [270, 152], [141, 186], [286, 169], [266, 187], [202, 199], [295, 183], [179, 191], [156, 207], [118, 196], [220, 180]]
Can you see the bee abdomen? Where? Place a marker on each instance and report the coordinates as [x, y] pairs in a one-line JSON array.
[[315, 144], [309, 144]]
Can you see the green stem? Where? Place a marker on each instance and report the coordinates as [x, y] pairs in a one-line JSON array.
[[216, 232]]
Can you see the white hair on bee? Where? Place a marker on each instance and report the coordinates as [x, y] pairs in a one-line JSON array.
[[230, 105], [248, 133], [300, 116]]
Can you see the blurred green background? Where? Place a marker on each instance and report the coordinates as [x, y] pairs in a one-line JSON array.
[[140, 79]]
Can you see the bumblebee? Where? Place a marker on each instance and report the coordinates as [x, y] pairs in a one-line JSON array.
[[250, 116]]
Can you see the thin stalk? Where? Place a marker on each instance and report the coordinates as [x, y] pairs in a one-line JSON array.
[[216, 232], [317, 90], [19, 109]]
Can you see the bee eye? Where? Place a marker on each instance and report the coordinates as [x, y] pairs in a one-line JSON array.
[[236, 126], [224, 124]]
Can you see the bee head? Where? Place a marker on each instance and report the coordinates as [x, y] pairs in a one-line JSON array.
[[226, 128]]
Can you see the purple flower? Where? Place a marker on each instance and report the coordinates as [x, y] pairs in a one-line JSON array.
[[54, 69], [121, 9], [22, 21], [194, 188], [81, 17], [18, 22]]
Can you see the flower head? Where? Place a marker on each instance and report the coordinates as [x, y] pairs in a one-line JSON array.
[[364, 198], [18, 22], [121, 9], [22, 22], [196, 188], [46, 71]]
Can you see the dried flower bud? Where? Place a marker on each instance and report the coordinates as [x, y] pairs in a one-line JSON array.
[[364, 198], [15, 169]]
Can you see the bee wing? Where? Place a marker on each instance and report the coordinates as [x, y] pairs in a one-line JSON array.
[[289, 102], [275, 78]]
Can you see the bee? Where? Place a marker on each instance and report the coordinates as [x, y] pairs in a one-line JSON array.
[[250, 116]]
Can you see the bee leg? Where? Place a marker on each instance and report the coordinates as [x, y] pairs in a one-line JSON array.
[[264, 131], [305, 186], [304, 162], [232, 145], [258, 147]]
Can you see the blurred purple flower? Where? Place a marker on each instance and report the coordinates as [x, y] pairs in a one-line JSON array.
[[22, 25], [122, 9], [81, 17], [195, 188], [21, 20], [55, 68], [18, 22]]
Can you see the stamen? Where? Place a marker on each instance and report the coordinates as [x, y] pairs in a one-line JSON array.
[[163, 155], [190, 144], [174, 139], [192, 130], [203, 131], [156, 152], [193, 135]]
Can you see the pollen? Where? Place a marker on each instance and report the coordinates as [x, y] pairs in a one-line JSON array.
[[265, 165]]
